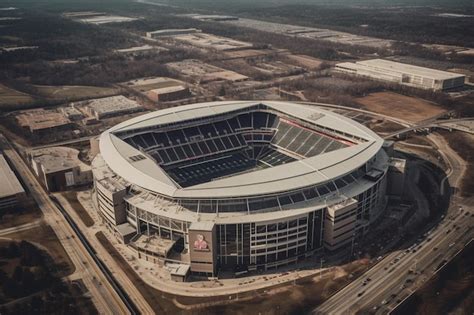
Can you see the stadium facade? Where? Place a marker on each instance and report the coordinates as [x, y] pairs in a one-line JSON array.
[[239, 185]]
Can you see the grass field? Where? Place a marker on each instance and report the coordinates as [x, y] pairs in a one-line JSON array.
[[74, 91], [11, 97], [400, 106]]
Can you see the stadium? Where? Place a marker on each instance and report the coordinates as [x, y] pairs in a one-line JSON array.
[[239, 186]]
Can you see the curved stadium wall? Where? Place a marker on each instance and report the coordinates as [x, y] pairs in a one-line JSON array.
[[239, 185]]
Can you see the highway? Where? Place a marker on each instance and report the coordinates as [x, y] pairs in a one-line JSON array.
[[103, 295], [108, 274], [117, 272], [429, 123], [399, 274], [394, 277]]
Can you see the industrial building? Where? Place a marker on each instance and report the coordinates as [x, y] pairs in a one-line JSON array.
[[172, 32], [405, 74], [112, 106], [203, 72], [170, 93], [213, 17], [12, 193], [72, 113], [59, 168], [214, 42], [140, 50], [43, 122], [239, 185]]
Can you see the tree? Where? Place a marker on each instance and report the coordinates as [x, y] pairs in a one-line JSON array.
[[36, 304], [18, 274], [13, 251]]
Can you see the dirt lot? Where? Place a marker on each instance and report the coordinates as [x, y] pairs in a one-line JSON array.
[[383, 126], [400, 106], [10, 97], [44, 237], [19, 217], [74, 91], [463, 144], [418, 140], [71, 197]]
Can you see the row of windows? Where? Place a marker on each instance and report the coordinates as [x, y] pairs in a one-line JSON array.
[[255, 204]]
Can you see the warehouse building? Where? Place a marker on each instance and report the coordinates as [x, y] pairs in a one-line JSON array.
[[12, 193], [72, 113], [43, 122], [112, 106], [170, 93], [419, 77], [172, 32], [59, 168]]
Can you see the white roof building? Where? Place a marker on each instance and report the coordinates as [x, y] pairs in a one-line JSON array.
[[402, 73]]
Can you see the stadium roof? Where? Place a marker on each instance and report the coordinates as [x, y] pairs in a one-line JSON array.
[[148, 174]]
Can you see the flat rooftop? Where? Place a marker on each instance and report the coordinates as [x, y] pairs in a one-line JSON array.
[[142, 48], [406, 68], [212, 41], [42, 119], [398, 163], [178, 269], [154, 244], [113, 104], [174, 30], [169, 89], [204, 71], [10, 183], [105, 19], [57, 159]]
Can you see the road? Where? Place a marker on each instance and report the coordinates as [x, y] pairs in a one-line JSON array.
[[124, 281], [102, 294], [429, 123], [389, 285]]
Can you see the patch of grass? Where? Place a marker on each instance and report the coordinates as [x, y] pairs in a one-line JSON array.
[[9, 97]]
